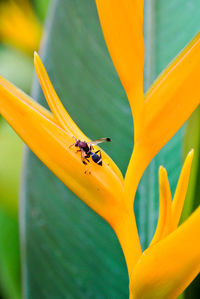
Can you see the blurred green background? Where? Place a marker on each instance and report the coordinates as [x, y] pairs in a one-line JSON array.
[[16, 66], [67, 251]]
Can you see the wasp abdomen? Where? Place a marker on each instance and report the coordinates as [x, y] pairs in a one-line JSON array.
[[96, 158]]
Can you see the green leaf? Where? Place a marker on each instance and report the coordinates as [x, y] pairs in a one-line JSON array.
[[68, 250], [41, 8], [17, 67], [192, 140], [10, 279], [10, 161]]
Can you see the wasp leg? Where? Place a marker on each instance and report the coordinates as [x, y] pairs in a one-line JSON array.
[[73, 143], [84, 162], [87, 156], [88, 170], [83, 157]]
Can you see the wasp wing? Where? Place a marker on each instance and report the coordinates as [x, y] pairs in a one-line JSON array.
[[100, 140]]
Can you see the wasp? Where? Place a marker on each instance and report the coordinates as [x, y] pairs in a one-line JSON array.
[[86, 149]]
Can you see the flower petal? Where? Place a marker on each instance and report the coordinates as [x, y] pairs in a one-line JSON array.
[[54, 102], [124, 38], [165, 210], [173, 97], [49, 136], [181, 190], [26, 99], [61, 115], [102, 190], [168, 104], [170, 212], [168, 267], [45, 134]]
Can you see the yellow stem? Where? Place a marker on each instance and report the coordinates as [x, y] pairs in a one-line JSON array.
[[139, 161], [127, 233]]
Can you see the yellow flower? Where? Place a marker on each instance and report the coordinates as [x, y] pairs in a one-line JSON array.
[[173, 258], [163, 110], [157, 116], [167, 268], [19, 26]]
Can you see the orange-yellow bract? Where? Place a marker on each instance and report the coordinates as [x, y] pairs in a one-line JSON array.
[[167, 268], [19, 26], [157, 117]]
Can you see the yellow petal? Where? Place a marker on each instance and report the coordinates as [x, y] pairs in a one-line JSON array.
[[168, 267], [49, 136], [19, 26], [102, 190], [174, 96], [181, 190], [26, 99], [170, 212], [168, 104], [122, 25], [54, 102], [61, 115], [125, 224], [165, 210]]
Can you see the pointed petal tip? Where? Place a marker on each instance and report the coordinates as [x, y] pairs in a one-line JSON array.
[[36, 58], [191, 154], [162, 169], [188, 160], [35, 54], [181, 190], [162, 174]]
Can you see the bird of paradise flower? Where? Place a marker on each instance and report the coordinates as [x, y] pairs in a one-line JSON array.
[[157, 117]]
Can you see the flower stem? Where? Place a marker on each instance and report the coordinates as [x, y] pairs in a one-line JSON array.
[[127, 233], [139, 161]]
